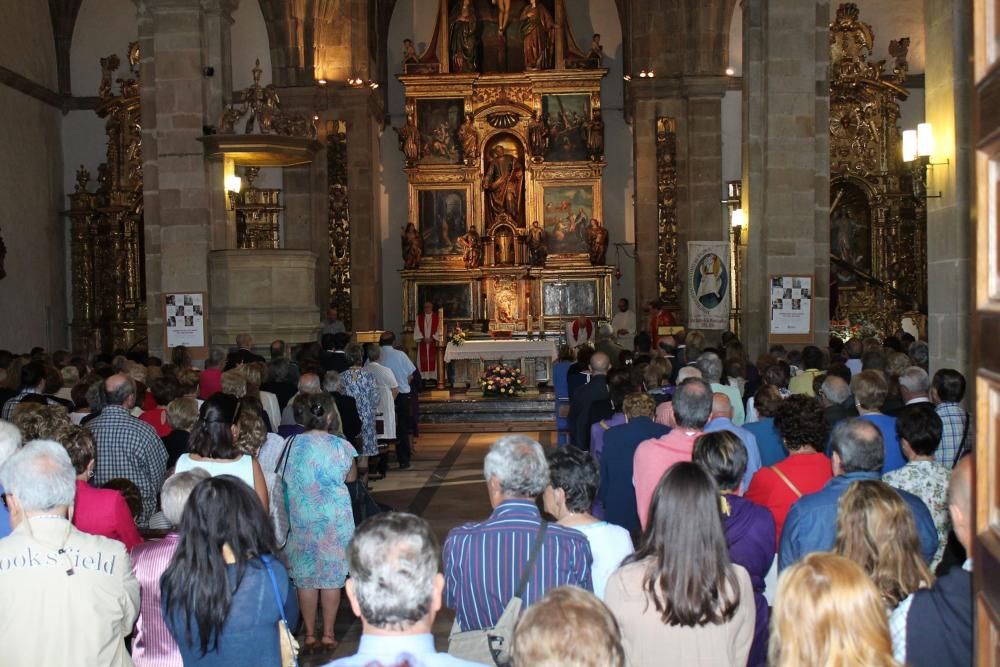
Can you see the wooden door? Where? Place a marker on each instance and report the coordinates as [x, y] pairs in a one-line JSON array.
[[986, 329]]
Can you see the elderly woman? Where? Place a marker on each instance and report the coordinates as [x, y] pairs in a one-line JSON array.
[[319, 512], [96, 511], [569, 626], [256, 375], [347, 408], [152, 645], [360, 385], [749, 527], [388, 389], [182, 414], [870, 389], [573, 482]]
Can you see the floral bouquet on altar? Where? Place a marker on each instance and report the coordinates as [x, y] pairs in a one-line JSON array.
[[458, 335], [502, 380]]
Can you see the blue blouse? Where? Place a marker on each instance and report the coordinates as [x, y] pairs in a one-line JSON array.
[[250, 635]]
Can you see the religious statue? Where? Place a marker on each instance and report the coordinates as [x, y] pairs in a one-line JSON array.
[[503, 15], [596, 56], [409, 53], [472, 248], [261, 102], [463, 42], [82, 178], [595, 136], [108, 67], [504, 183], [597, 241], [538, 36], [409, 139], [469, 138], [538, 137], [898, 49], [538, 244], [413, 246]]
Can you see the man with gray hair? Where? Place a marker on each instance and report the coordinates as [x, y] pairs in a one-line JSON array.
[[914, 385], [152, 640], [78, 587], [395, 589], [710, 366], [692, 407], [244, 353], [128, 447], [836, 399], [581, 416], [606, 344], [484, 562], [858, 454], [309, 383]]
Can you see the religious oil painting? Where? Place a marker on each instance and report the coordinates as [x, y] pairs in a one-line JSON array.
[[455, 298], [850, 233], [561, 298], [438, 121], [567, 211], [566, 117], [442, 215]]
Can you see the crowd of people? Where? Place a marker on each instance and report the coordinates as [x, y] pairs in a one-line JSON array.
[[812, 508]]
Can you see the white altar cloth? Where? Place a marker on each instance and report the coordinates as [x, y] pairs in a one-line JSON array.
[[503, 348]]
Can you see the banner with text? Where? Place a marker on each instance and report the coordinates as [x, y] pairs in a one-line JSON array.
[[708, 285]]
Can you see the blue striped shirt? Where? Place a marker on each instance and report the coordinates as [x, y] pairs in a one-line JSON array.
[[483, 563]]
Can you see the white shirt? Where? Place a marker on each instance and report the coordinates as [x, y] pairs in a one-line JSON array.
[[624, 320], [610, 545]]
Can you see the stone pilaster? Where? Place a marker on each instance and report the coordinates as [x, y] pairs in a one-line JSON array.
[[786, 161]]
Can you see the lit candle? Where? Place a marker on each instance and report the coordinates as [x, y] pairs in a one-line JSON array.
[[441, 321]]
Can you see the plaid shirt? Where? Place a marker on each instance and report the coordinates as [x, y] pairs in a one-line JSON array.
[[953, 418], [8, 407], [129, 448]]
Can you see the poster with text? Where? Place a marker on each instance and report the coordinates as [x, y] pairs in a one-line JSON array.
[[708, 285], [791, 305], [185, 319]]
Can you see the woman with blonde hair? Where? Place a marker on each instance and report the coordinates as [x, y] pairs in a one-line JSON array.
[[569, 626], [828, 613], [875, 529]]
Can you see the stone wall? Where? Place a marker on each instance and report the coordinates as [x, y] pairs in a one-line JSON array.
[[33, 295]]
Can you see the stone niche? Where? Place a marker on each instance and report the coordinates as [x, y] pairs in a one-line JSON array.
[[267, 293]]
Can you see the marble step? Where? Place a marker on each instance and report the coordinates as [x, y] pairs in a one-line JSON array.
[[539, 411]]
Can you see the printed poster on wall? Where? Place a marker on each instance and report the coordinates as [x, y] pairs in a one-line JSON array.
[[791, 305], [708, 285], [185, 320]]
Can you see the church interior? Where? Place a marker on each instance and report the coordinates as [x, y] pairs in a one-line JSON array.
[[488, 180]]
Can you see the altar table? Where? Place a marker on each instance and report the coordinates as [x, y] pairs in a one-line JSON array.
[[534, 357]]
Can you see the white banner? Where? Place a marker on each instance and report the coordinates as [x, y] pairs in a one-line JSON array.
[[185, 320], [708, 285]]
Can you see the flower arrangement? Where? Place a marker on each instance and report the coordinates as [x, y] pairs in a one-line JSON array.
[[458, 335], [502, 380], [856, 327]]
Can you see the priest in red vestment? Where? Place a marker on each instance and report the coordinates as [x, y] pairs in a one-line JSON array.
[[426, 333], [579, 331], [659, 317]]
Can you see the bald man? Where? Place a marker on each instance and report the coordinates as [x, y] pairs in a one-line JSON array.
[[721, 419], [934, 625], [585, 407], [128, 447]]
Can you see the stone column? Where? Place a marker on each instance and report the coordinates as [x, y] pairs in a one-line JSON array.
[[949, 259], [786, 156], [177, 37]]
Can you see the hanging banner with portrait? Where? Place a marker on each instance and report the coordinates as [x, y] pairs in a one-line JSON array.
[[708, 285]]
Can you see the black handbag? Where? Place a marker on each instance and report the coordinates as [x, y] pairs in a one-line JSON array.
[[362, 503]]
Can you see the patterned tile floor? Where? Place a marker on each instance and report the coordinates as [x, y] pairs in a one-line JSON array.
[[446, 487]]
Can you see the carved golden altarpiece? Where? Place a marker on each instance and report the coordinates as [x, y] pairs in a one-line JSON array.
[[878, 213], [106, 230], [471, 246]]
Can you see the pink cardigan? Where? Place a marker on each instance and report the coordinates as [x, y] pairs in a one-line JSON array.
[[104, 512]]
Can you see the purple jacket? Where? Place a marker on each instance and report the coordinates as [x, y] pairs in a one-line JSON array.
[[750, 533]]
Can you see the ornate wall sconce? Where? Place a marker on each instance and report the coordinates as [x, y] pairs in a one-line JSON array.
[[737, 220], [918, 148], [233, 186]]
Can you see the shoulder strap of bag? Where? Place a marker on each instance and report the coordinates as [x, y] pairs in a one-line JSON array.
[[535, 549], [277, 599], [283, 457], [962, 444], [788, 482]]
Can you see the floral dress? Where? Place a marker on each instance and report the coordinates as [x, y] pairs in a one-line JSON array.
[[319, 510], [360, 385]]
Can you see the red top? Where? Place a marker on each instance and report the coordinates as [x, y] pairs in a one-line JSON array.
[[157, 418], [808, 472], [104, 512], [209, 383], [148, 403]]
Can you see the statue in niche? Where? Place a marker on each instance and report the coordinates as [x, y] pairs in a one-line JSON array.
[[409, 138], [538, 244], [108, 67], [538, 137], [597, 242], [409, 53], [413, 246], [503, 15], [538, 36], [463, 41], [596, 56], [472, 248], [503, 246], [82, 179], [504, 184], [469, 138], [595, 136]]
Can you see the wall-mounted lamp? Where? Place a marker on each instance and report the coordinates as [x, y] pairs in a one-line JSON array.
[[918, 148], [643, 74], [730, 71], [233, 185]]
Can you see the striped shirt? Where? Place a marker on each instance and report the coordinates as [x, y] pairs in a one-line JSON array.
[[153, 645], [483, 563]]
